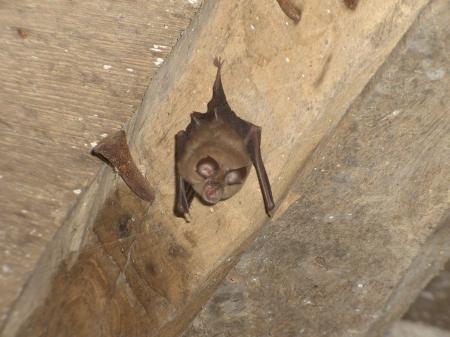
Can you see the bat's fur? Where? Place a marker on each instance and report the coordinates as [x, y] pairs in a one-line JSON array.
[[227, 144]]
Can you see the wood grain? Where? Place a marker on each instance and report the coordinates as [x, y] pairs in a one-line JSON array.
[[70, 73], [269, 79], [368, 219]]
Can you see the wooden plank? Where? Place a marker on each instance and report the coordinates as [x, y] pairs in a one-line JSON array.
[[368, 220], [98, 278], [70, 72]]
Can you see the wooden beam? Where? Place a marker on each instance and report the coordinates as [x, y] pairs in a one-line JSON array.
[[367, 223], [120, 267], [71, 73]]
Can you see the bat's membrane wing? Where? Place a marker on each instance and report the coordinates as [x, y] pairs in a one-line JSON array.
[[185, 192], [253, 141]]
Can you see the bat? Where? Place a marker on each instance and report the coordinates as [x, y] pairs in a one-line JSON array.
[[214, 155]]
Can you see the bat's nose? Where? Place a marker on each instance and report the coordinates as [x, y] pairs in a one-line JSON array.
[[212, 193]]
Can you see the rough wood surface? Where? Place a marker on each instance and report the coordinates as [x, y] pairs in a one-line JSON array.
[[432, 307], [367, 222], [411, 329], [71, 72], [119, 267]]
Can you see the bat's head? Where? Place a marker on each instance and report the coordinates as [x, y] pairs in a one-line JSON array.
[[217, 182]]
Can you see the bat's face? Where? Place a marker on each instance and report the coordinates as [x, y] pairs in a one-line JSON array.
[[217, 183], [215, 162]]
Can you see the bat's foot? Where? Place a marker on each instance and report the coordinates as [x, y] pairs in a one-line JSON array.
[[187, 217], [218, 62], [270, 212]]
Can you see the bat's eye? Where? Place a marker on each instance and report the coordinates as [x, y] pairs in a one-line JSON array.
[[237, 176], [207, 167]]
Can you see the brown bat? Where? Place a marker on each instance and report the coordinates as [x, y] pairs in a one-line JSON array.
[[215, 153]]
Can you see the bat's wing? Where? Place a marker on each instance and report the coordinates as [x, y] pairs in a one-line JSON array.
[[185, 192], [253, 142], [219, 108]]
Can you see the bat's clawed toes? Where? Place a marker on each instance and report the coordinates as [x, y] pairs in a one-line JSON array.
[[218, 62], [270, 212], [187, 217]]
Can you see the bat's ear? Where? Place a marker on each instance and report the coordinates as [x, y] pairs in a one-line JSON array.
[[207, 167], [237, 176], [196, 119]]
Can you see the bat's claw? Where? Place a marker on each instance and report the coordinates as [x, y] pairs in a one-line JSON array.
[[187, 217], [218, 62]]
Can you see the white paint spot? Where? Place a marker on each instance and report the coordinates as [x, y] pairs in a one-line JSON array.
[[252, 27], [104, 135], [80, 118], [34, 57], [436, 74], [159, 61], [95, 115], [130, 70], [194, 2], [211, 210], [23, 211], [160, 46], [77, 191], [360, 285], [331, 217], [155, 49], [94, 144], [396, 112], [166, 27], [6, 269], [421, 45], [66, 50], [287, 60], [107, 66], [287, 23]]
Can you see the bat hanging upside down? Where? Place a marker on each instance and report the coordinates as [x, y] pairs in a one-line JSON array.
[[215, 153]]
